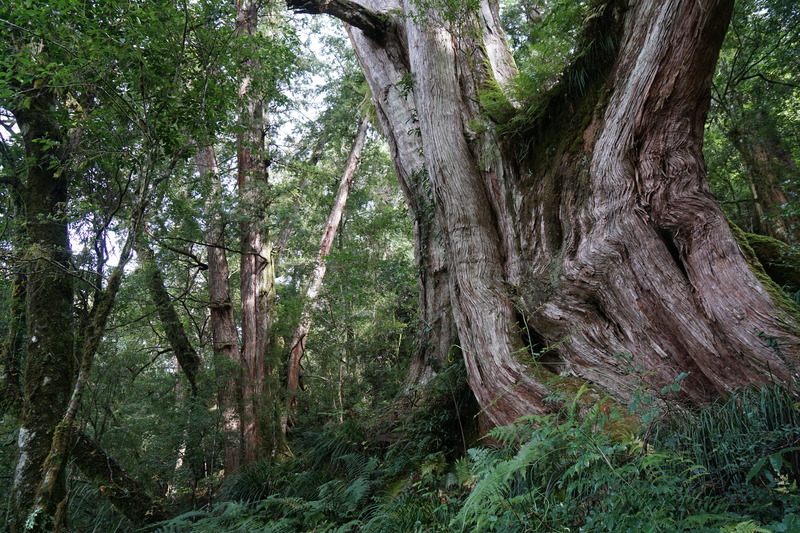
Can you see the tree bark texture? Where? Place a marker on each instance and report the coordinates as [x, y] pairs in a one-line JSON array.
[[387, 71], [582, 243], [257, 271], [297, 346], [49, 509], [224, 336], [12, 353], [50, 359]]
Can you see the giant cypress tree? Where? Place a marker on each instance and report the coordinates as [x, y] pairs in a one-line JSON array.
[[578, 226]]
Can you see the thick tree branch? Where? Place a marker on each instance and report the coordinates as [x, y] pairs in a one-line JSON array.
[[374, 25], [114, 483], [185, 353]]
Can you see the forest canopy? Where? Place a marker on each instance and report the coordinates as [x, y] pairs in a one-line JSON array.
[[399, 265]]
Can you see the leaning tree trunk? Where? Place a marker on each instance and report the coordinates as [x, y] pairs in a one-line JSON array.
[[116, 485], [178, 340], [583, 244], [297, 346]]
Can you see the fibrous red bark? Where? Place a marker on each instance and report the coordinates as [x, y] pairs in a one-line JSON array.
[[257, 274], [581, 239], [224, 337]]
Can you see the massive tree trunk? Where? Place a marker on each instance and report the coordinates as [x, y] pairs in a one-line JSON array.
[[582, 242]]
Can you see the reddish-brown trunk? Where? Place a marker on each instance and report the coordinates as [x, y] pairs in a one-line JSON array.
[[256, 271], [225, 338]]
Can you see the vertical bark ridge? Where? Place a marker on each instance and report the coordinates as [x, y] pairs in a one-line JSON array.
[[484, 313], [256, 270], [225, 338], [392, 86]]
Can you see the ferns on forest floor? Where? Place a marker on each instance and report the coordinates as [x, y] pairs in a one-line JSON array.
[[729, 467]]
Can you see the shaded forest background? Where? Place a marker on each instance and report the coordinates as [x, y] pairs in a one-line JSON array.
[[148, 112]]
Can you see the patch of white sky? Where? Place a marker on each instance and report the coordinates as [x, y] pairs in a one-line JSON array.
[[305, 94], [306, 91]]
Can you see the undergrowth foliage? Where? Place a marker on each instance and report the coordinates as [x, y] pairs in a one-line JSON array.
[[731, 466]]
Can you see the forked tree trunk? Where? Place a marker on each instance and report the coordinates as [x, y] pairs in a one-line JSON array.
[[297, 346], [583, 245]]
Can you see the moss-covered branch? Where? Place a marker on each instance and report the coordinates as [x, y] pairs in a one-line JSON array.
[[121, 490], [186, 355]]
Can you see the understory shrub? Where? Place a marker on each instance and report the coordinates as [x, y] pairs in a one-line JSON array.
[[728, 467]]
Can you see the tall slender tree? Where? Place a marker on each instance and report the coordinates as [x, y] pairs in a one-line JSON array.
[[297, 346], [224, 336]]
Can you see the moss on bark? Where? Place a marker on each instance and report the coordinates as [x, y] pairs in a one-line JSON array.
[[780, 261], [768, 247], [50, 361]]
